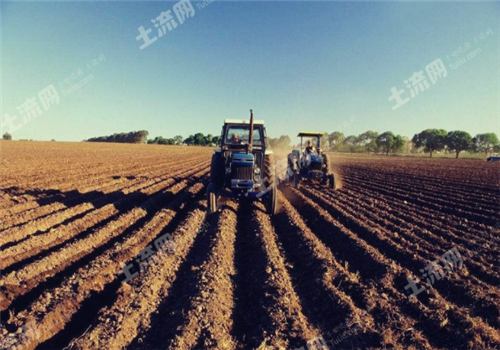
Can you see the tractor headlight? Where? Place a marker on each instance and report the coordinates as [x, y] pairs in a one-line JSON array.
[[256, 171]]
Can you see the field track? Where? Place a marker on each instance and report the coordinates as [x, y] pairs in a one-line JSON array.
[[72, 215]]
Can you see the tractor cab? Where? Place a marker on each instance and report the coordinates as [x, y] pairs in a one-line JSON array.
[[235, 135], [311, 154]]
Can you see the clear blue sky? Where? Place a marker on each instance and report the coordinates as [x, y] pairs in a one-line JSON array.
[[298, 65]]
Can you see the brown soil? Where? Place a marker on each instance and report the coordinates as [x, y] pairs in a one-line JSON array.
[[330, 262]]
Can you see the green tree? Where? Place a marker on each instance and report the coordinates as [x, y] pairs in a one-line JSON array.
[[335, 139], [368, 140], [386, 141], [153, 141], [485, 142], [199, 139], [7, 136], [399, 144], [190, 140], [163, 141], [216, 140], [431, 139], [458, 141], [208, 139], [351, 142], [178, 139]]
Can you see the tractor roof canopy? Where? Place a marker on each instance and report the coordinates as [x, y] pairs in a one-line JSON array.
[[243, 121], [311, 134]]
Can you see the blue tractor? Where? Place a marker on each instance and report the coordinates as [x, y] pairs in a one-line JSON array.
[[310, 162], [243, 165]]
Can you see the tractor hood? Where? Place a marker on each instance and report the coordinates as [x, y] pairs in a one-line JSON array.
[[243, 160], [316, 158]]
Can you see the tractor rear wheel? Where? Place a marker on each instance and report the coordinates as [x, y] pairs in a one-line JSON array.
[[273, 200], [326, 161], [268, 175], [331, 182], [217, 172], [211, 198]]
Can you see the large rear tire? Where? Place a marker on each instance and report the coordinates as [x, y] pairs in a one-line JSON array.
[[217, 171], [326, 161], [269, 170], [331, 182], [211, 198], [273, 200]]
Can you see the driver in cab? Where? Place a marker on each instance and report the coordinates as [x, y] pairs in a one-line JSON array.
[[309, 147], [235, 140], [306, 156]]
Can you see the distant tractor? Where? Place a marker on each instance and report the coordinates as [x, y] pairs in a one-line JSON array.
[[493, 158], [243, 166], [310, 163]]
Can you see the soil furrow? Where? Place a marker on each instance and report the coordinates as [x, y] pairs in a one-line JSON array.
[[20, 282], [53, 310], [137, 300], [197, 311], [457, 317], [264, 293]]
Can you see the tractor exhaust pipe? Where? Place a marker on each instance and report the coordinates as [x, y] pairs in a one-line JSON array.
[[250, 141]]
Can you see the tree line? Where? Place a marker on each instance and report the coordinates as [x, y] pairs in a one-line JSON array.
[[198, 139], [123, 137], [160, 140], [427, 141], [369, 142], [433, 140]]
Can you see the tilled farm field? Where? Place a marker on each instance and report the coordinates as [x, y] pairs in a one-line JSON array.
[[329, 270]]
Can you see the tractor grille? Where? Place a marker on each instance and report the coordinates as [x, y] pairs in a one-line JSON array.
[[241, 173], [316, 166]]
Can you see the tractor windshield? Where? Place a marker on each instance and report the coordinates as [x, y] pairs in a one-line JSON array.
[[239, 135], [310, 146]]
